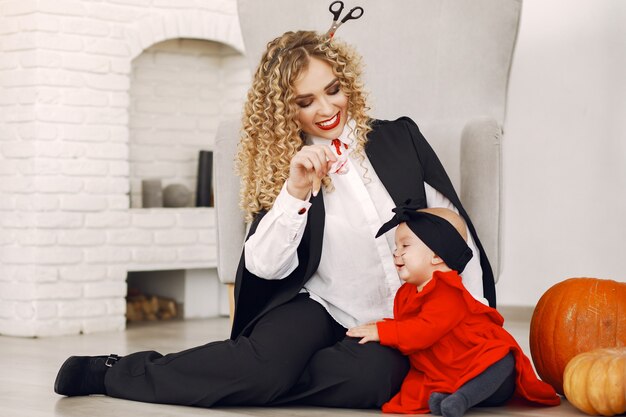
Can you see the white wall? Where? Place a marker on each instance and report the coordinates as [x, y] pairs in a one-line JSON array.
[[564, 155]]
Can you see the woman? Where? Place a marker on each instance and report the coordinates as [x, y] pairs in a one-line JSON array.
[[319, 177]]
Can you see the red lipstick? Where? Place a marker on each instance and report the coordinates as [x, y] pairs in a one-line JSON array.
[[331, 126]]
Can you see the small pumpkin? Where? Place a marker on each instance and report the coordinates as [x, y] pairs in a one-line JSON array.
[[575, 316], [595, 381]]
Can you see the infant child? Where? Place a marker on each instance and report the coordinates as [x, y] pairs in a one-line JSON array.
[[460, 355]]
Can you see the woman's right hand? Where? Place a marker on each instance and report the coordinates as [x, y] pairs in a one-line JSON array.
[[307, 168]]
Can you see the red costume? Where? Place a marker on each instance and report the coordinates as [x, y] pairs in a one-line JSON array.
[[450, 338]]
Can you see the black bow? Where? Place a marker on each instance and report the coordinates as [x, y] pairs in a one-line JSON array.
[[436, 232], [403, 213]]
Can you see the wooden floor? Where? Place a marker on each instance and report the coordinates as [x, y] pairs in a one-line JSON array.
[[28, 368]]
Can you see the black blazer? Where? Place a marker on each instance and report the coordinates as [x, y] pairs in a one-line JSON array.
[[403, 161]]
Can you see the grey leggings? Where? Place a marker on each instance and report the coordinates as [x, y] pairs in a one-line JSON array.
[[491, 388]]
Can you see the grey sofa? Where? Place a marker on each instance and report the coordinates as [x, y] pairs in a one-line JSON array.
[[444, 63]]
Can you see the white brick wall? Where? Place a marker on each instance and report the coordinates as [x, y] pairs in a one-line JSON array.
[[75, 112], [180, 89]]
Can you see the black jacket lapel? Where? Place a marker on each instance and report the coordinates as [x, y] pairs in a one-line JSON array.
[[396, 163]]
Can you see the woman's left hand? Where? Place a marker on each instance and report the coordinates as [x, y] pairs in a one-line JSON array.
[[367, 333]]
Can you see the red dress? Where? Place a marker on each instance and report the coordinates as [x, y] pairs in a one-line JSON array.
[[450, 338]]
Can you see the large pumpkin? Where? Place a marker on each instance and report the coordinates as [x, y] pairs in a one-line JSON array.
[[595, 381], [575, 316]]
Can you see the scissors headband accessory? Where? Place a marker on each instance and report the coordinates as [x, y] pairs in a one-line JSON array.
[[336, 8], [436, 232]]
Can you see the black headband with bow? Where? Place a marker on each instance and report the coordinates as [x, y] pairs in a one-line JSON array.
[[436, 232]]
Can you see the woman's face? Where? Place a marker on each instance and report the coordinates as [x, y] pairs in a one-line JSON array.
[[322, 106]]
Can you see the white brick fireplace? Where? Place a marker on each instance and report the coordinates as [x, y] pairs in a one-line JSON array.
[[90, 104]]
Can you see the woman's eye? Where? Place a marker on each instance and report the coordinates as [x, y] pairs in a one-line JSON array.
[[334, 90], [304, 104]]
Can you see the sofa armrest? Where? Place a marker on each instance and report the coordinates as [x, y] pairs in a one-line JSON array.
[[230, 224], [480, 183]]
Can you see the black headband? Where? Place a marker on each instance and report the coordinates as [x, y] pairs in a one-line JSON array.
[[436, 232]]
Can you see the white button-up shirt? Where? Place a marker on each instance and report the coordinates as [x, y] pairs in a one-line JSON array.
[[356, 280]]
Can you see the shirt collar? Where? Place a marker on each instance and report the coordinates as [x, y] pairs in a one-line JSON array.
[[346, 136]]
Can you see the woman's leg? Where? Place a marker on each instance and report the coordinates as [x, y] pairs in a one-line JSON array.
[[350, 375], [250, 370]]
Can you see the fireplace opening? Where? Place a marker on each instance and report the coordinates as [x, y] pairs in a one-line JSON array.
[[180, 89], [175, 294]]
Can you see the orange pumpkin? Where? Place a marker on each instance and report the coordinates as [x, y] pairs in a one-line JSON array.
[[575, 316], [595, 381]]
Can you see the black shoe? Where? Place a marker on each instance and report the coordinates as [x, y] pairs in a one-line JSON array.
[[83, 375]]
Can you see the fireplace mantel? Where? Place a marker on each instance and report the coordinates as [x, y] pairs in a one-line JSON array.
[[68, 236]]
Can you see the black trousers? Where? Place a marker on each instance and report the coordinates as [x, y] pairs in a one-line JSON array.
[[296, 354]]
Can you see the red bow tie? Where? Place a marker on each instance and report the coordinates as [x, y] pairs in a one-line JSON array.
[[337, 143]]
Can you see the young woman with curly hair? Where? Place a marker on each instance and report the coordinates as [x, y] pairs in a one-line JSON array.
[[319, 177], [272, 133]]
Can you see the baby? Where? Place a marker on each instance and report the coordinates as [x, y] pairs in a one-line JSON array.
[[459, 353]]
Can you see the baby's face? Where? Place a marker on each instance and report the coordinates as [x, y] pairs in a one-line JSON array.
[[413, 259]]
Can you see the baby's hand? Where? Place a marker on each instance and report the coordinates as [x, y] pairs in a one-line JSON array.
[[367, 333]]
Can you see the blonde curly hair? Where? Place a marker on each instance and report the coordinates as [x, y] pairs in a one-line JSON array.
[[271, 135]]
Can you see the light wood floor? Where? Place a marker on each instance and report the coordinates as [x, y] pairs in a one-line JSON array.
[[28, 368]]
